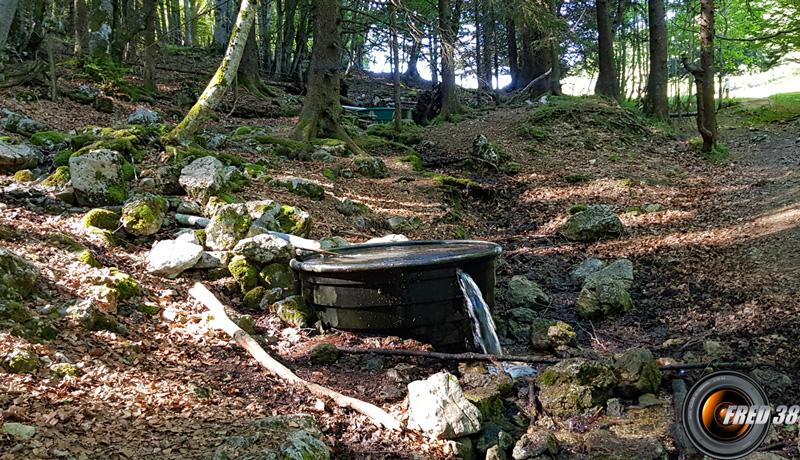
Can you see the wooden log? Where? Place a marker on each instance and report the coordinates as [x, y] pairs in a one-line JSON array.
[[221, 321]]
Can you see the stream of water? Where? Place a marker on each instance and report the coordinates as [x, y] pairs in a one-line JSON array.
[[483, 329]]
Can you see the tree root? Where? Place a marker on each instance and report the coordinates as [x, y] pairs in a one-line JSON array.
[[221, 320]]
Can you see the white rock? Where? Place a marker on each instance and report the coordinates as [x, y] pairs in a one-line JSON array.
[[214, 259], [391, 238], [265, 248], [143, 116], [94, 173], [169, 258], [438, 408], [202, 177]]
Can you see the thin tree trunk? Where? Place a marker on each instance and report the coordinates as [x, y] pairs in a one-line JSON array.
[[187, 19], [656, 103], [220, 82], [398, 108], [513, 55], [264, 19], [709, 131], [607, 83], [9, 9], [300, 40], [434, 60], [149, 45], [81, 28], [412, 74], [164, 26], [320, 116], [449, 15]]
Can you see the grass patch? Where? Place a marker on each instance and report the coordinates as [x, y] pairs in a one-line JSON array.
[[778, 108], [415, 160], [411, 134]]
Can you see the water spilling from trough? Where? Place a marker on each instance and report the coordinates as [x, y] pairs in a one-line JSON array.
[[484, 330]]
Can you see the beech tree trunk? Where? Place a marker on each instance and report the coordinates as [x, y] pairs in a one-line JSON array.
[[321, 113], [513, 54], [149, 44], [9, 9], [434, 61], [222, 14], [656, 103], [220, 82], [264, 22], [704, 78], [81, 27], [449, 16], [607, 83], [187, 19]]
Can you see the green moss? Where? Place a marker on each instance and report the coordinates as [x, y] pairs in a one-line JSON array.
[[64, 369], [458, 182], [7, 232], [102, 219], [578, 178], [186, 153], [576, 208], [371, 142], [324, 353], [86, 257], [331, 173], [415, 160], [287, 147], [294, 311], [22, 362], [83, 139], [49, 139], [277, 276], [254, 170], [24, 175], [294, 221], [107, 236], [537, 133], [245, 273], [126, 286], [369, 166], [14, 311], [719, 154], [243, 131], [117, 193], [125, 145], [201, 236], [128, 171], [252, 299], [59, 178], [144, 214], [410, 133], [228, 197], [148, 308]]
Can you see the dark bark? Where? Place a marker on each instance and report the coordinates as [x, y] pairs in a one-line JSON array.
[[449, 16], [300, 40], [81, 28], [513, 54], [434, 59], [398, 109], [704, 77], [264, 23], [411, 74], [321, 113], [656, 103], [149, 44], [607, 83]]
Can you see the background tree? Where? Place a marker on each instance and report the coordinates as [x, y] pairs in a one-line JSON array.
[[607, 84], [656, 103], [449, 19]]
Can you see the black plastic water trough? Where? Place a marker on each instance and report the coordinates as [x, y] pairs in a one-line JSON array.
[[408, 289]]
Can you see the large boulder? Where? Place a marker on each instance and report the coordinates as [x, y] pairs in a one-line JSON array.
[[16, 157], [523, 292], [97, 178], [605, 292], [574, 385], [369, 166], [143, 214], [228, 226], [17, 276], [438, 408], [169, 258], [265, 248], [592, 223], [16, 123], [203, 177], [289, 437]]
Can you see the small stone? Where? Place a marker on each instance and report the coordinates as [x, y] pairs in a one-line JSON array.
[[402, 224], [91, 318], [170, 258], [496, 453], [228, 225], [18, 277], [143, 116], [586, 268], [648, 208], [605, 291], [333, 242], [19, 431], [369, 166], [63, 369], [575, 384], [277, 276], [244, 272], [349, 207], [214, 259], [147, 184], [324, 353], [715, 350], [614, 408], [648, 400], [247, 324], [637, 371], [532, 445], [300, 186], [523, 292], [22, 361], [189, 207], [23, 176], [438, 408]]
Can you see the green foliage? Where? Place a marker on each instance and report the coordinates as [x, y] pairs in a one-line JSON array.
[[62, 158], [415, 160], [777, 108], [458, 182], [411, 133], [101, 70]]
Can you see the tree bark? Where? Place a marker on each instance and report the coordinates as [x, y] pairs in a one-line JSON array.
[[9, 9], [220, 82], [704, 78], [222, 13], [449, 17], [434, 60], [149, 45], [411, 74], [607, 83], [187, 19], [264, 21], [101, 19], [81, 28], [321, 113], [656, 103], [513, 54], [398, 108]]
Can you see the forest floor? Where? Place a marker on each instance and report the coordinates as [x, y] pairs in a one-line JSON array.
[[718, 262]]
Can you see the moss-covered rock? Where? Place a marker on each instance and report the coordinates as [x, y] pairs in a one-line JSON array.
[[143, 214], [277, 275], [97, 177], [101, 218], [603, 299], [62, 157], [294, 221], [300, 186], [523, 292], [247, 324], [551, 334], [87, 257], [49, 139], [333, 242], [63, 369], [324, 353], [637, 372], [244, 272], [227, 226], [252, 300], [592, 223], [92, 318], [576, 384], [18, 277], [349, 207], [293, 311], [24, 175], [369, 166], [59, 178], [7, 232], [148, 308], [14, 312], [290, 437], [126, 286], [22, 361]]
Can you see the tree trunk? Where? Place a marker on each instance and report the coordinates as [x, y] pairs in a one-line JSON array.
[[434, 60], [412, 74], [220, 82], [301, 40], [513, 55], [398, 108], [487, 40], [264, 21], [149, 45], [175, 21], [187, 19], [9, 8], [247, 75], [81, 28], [284, 47], [164, 26], [101, 19], [656, 103], [607, 83], [322, 110], [222, 9], [449, 16]]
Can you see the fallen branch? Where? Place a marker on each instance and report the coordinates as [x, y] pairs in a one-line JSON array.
[[221, 320]]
